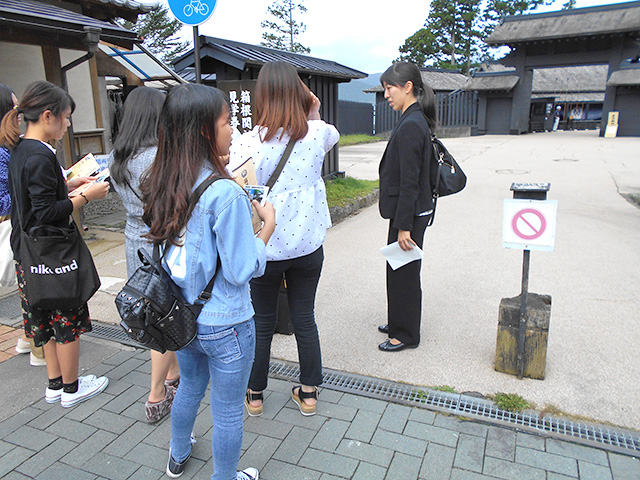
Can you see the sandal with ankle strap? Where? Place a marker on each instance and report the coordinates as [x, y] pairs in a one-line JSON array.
[[305, 409], [251, 410]]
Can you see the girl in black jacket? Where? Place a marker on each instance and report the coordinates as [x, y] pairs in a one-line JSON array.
[[39, 196], [406, 197]]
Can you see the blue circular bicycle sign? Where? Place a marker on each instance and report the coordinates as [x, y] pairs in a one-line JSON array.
[[192, 12]]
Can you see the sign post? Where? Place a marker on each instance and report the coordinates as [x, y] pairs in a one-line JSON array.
[[194, 13], [529, 223]]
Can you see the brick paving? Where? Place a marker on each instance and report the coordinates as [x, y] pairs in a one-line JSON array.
[[351, 437]]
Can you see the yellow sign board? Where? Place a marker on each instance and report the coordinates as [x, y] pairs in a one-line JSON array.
[[612, 125]]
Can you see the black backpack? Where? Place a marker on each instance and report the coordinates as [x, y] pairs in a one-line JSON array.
[[154, 313]]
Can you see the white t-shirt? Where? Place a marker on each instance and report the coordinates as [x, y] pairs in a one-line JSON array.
[[299, 196]]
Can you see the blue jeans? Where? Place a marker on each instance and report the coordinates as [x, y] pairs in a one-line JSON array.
[[302, 275], [223, 355]]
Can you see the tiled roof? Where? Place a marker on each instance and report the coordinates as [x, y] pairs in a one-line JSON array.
[[142, 6], [34, 15], [240, 54], [579, 22]]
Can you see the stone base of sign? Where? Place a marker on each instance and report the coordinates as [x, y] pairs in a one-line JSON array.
[[538, 314]]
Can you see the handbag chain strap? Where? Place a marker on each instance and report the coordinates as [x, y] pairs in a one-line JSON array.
[[276, 173]]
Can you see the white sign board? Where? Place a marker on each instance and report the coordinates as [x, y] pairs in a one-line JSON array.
[[529, 224]]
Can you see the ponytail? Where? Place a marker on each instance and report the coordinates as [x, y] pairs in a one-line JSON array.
[[399, 74], [39, 97], [10, 129]]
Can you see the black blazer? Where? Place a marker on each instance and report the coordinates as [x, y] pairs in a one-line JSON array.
[[38, 190], [405, 189]]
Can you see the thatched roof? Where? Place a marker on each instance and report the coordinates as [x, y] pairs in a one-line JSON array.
[[579, 22], [438, 79], [487, 82], [586, 78], [555, 81], [625, 77]]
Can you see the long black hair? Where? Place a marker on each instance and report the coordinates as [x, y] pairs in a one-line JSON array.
[[138, 129], [399, 74], [186, 140]]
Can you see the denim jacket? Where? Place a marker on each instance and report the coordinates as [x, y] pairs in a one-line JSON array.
[[220, 225]]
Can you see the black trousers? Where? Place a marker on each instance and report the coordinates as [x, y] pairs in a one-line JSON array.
[[302, 275], [404, 290]]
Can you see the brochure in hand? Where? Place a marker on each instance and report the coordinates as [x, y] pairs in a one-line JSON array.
[[245, 176], [88, 166]]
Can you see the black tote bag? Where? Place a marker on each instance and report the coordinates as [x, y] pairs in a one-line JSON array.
[[58, 268]]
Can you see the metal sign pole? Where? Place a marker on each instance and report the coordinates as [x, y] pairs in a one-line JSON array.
[[196, 53]]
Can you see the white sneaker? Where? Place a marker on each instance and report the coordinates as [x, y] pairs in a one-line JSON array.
[[86, 390], [35, 361], [53, 396], [22, 346], [247, 474]]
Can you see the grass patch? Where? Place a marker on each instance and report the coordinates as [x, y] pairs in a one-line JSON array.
[[342, 191], [444, 388], [355, 139], [511, 402]]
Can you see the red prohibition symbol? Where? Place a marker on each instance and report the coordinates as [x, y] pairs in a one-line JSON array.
[[525, 218]]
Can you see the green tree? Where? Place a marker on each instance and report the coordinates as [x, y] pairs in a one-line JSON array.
[[454, 31], [160, 33], [284, 29]]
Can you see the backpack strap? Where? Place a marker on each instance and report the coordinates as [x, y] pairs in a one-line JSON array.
[[197, 193]]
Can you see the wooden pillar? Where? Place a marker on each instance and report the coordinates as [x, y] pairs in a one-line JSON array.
[[521, 102], [53, 74]]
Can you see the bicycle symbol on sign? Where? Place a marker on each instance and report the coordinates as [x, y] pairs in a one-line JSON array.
[[196, 6]]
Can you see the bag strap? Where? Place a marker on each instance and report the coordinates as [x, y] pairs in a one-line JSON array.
[[197, 193], [438, 164], [276, 173], [126, 180]]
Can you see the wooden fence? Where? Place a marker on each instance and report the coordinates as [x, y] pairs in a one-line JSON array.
[[456, 109]]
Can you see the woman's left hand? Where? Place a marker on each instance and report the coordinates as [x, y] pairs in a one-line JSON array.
[[78, 181], [314, 112], [405, 241]]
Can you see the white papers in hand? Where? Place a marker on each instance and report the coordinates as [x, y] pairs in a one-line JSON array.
[[398, 257]]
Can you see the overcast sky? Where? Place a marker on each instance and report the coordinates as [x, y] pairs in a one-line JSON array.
[[364, 35]]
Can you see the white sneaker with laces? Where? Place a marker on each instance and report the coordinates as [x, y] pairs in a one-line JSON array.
[[53, 396], [248, 474], [35, 361], [22, 346], [86, 389]]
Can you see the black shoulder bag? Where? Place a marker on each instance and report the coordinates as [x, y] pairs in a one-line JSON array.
[[447, 177], [154, 313]]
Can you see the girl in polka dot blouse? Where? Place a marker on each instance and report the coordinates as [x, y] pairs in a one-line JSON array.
[[286, 109]]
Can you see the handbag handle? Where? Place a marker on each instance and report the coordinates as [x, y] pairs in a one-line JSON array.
[[276, 173]]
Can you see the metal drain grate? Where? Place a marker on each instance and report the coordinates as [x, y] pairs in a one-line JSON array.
[[106, 331], [593, 435], [599, 436]]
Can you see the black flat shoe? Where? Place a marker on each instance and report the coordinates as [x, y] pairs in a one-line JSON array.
[[387, 346], [383, 328]]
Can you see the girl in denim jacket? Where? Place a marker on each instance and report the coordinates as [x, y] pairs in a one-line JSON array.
[[194, 134]]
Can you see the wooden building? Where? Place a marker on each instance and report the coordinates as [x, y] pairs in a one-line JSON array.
[[58, 41], [234, 67], [603, 35]]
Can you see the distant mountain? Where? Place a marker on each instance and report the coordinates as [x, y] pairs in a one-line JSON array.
[[353, 91]]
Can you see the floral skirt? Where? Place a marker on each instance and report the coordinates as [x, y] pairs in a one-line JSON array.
[[63, 326]]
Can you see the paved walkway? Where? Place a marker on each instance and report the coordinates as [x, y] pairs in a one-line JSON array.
[[592, 362], [351, 437]]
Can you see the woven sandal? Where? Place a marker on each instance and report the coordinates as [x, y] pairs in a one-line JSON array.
[[305, 409], [251, 410]]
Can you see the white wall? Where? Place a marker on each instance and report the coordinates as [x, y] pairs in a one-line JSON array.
[[23, 64]]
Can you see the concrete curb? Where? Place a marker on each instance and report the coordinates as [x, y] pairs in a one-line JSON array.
[[338, 214]]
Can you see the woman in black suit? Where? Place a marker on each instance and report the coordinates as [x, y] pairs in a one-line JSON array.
[[405, 197]]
